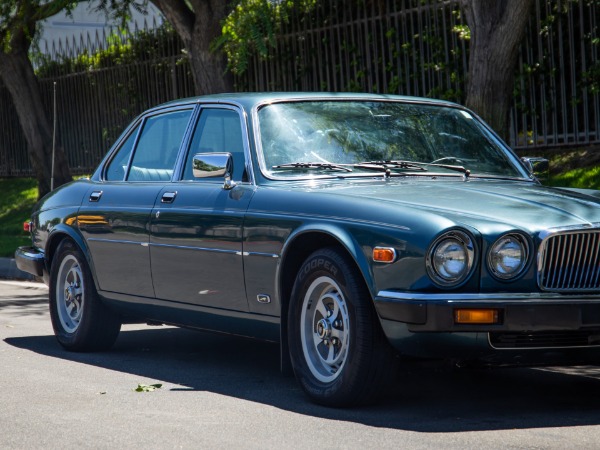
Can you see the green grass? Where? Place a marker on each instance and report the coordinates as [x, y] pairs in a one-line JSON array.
[[585, 178], [19, 195]]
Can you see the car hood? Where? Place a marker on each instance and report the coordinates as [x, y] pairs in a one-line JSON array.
[[522, 205]]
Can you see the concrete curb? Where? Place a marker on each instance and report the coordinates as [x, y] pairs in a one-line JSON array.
[[10, 271]]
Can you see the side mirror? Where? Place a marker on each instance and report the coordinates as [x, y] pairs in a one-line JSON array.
[[539, 167], [214, 165]]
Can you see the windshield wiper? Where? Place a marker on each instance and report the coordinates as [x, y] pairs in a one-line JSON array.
[[382, 166], [409, 165], [313, 165]]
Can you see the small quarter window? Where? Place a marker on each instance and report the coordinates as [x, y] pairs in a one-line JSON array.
[[118, 165]]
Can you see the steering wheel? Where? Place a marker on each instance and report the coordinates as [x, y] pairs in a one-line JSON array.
[[447, 159]]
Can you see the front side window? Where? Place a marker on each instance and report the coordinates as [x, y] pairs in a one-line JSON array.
[[156, 152], [218, 131], [314, 136]]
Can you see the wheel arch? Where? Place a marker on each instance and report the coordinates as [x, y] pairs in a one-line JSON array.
[[58, 235], [303, 242]]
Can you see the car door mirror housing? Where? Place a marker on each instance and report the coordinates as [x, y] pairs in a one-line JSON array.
[[539, 167], [214, 165]]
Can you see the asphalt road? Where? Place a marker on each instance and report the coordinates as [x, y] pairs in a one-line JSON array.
[[226, 392]]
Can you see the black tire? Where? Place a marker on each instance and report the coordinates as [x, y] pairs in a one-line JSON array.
[[338, 351], [80, 320]]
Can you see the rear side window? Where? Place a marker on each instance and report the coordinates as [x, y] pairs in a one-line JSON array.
[[156, 151]]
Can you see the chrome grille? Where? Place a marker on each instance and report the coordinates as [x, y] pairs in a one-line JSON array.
[[570, 261]]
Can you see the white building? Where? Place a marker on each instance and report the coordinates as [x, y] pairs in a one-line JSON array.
[[85, 20]]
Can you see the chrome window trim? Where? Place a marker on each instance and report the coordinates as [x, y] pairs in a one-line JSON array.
[[189, 136]]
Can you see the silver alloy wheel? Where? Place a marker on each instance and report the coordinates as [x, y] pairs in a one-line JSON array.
[[69, 293], [325, 329]]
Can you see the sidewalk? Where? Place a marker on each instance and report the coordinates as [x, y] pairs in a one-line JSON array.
[[9, 270]]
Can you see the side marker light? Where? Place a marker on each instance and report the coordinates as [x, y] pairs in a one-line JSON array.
[[384, 254]]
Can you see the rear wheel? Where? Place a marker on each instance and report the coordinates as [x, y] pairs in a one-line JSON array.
[[338, 351], [80, 320]]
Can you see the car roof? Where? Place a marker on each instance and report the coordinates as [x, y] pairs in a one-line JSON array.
[[249, 100]]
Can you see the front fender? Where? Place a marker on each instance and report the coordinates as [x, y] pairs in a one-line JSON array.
[[342, 236]]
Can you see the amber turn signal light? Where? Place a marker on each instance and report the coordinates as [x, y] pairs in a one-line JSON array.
[[476, 316], [384, 254], [27, 226]]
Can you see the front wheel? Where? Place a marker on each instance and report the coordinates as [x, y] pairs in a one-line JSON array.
[[80, 320], [338, 351]]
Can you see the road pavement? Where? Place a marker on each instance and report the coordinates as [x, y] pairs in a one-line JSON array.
[[226, 392]]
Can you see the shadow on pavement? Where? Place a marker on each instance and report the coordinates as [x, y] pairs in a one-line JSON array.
[[426, 398]]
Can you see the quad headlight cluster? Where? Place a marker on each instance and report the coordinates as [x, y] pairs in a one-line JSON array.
[[451, 258]]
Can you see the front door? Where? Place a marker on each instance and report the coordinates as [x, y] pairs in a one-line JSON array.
[[197, 226]]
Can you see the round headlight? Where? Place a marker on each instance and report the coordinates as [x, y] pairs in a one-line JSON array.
[[508, 256], [451, 258]]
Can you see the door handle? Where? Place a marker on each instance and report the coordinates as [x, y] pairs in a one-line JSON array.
[[95, 196], [168, 197]]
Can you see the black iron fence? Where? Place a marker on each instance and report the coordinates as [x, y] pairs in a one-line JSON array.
[[410, 47]]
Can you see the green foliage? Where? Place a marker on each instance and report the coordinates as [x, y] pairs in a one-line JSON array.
[[463, 32], [122, 49], [19, 18], [252, 28], [584, 178], [129, 58], [19, 195], [265, 30], [545, 70]]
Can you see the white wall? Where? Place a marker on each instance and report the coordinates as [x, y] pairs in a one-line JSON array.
[[84, 19]]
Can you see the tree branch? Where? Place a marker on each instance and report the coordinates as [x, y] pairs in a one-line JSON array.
[[51, 8], [181, 17]]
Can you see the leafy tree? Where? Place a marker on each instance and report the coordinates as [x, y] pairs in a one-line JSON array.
[[495, 29], [198, 23], [18, 19], [251, 29]]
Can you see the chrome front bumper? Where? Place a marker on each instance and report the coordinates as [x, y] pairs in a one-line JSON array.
[[518, 311]]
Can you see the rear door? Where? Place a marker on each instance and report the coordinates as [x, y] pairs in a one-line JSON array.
[[114, 218]]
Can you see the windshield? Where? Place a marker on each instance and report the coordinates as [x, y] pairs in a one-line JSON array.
[[346, 138]]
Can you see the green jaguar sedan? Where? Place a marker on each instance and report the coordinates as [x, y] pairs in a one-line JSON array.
[[355, 230]]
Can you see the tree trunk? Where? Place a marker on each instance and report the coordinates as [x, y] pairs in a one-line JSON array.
[[209, 68], [497, 29], [198, 23], [18, 76]]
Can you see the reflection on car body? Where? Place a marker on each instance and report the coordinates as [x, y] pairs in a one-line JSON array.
[[353, 229]]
